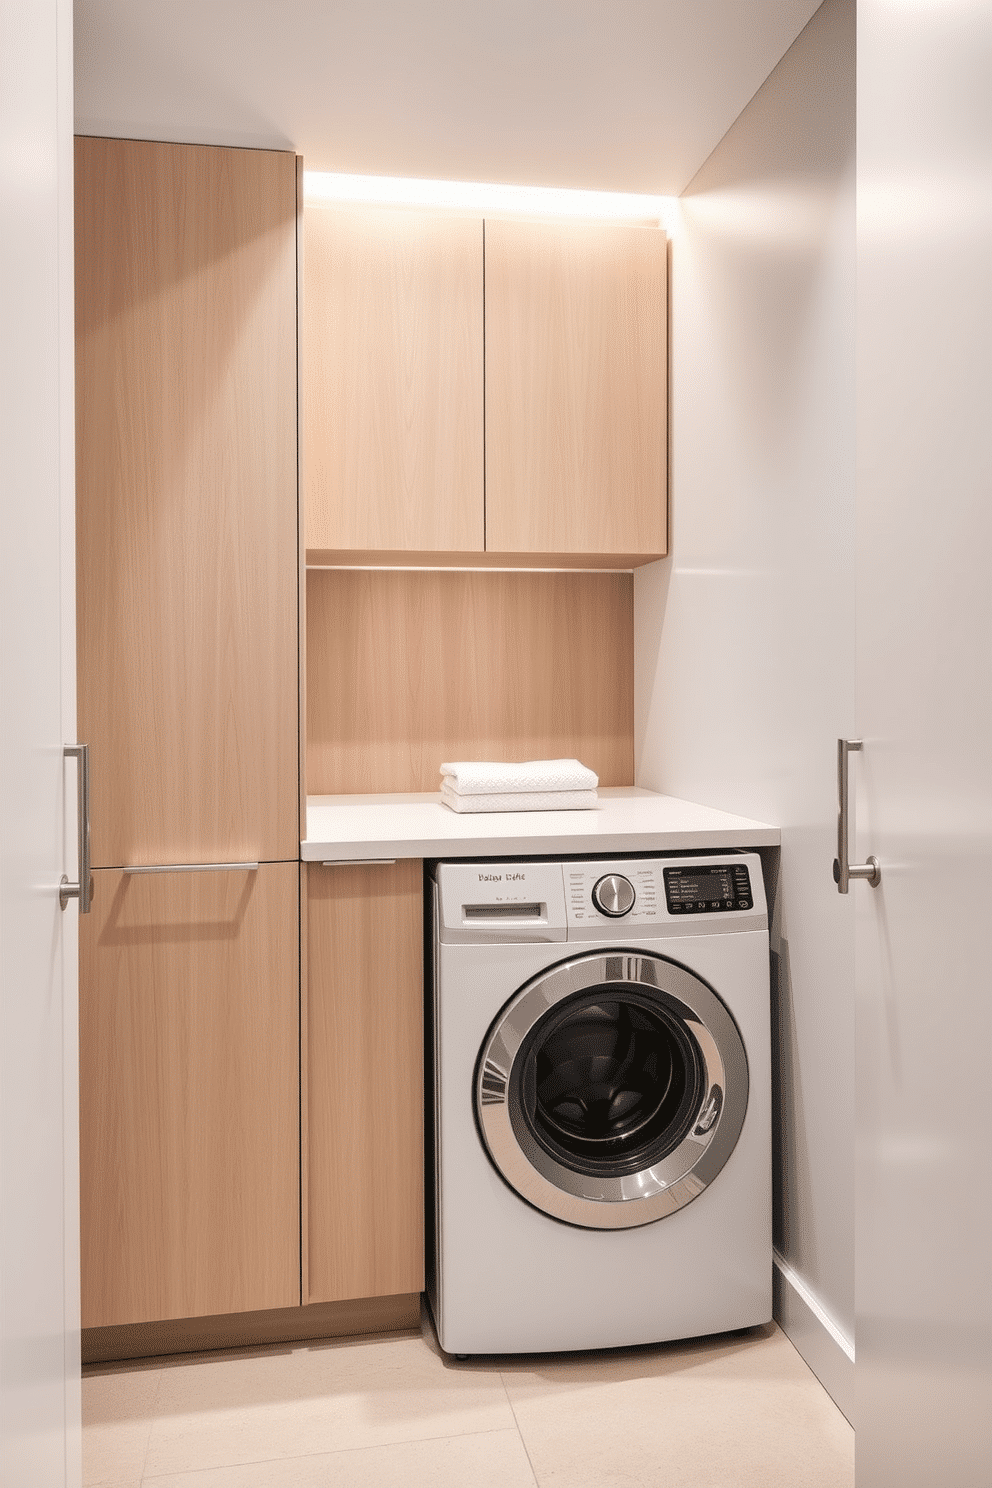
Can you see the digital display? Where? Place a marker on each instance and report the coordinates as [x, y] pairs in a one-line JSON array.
[[712, 883], [705, 890]]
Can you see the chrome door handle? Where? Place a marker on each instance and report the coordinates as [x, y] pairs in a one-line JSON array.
[[844, 869], [83, 890]]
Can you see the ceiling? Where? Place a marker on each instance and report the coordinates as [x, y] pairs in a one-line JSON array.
[[622, 95]]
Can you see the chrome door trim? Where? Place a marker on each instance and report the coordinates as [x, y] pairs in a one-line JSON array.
[[632, 1199]]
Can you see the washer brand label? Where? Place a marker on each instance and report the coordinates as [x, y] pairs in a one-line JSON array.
[[498, 878]]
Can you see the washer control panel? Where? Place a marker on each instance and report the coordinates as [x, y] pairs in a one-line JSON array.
[[628, 892], [666, 895], [499, 902]]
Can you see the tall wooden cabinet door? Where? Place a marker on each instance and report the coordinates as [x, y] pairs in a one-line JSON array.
[[187, 543], [392, 380], [364, 1080], [576, 361], [189, 1092]]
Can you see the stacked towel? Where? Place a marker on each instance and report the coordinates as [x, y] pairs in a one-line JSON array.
[[534, 785]]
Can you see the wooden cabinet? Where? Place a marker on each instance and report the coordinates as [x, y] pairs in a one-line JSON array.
[[189, 1094], [392, 380], [426, 335], [576, 395], [188, 555], [364, 1102], [188, 640]]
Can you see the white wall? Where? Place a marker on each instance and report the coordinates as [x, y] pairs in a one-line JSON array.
[[745, 634]]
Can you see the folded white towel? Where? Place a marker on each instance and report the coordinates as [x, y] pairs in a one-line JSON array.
[[492, 778], [578, 800]]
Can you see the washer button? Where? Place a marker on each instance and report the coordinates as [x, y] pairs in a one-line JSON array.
[[614, 895]]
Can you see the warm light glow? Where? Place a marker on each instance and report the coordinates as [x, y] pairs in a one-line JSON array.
[[477, 196]]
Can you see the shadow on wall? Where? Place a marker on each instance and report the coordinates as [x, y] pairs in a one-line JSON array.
[[790, 1167]]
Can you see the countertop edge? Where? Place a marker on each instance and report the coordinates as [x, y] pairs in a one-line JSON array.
[[536, 836]]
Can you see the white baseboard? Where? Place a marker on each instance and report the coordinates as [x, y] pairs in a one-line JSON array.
[[824, 1346]]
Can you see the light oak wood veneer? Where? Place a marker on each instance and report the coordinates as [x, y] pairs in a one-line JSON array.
[[365, 1101], [392, 379], [187, 544], [189, 1095], [576, 389], [399, 558], [406, 670]]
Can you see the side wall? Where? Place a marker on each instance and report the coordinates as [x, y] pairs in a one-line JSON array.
[[744, 636]]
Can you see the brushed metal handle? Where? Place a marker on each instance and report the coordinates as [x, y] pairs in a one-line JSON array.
[[83, 890], [194, 868], [844, 869], [357, 862]]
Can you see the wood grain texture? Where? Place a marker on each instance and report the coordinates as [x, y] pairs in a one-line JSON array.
[[406, 670], [188, 561], [576, 390], [252, 1329], [400, 558], [392, 379], [365, 1058], [189, 1095]]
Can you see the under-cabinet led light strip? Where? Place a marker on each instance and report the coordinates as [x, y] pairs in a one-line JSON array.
[[478, 196]]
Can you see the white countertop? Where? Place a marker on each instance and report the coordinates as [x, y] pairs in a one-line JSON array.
[[627, 818]]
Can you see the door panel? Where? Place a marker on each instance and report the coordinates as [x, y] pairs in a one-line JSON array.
[[189, 1052], [392, 380], [39, 1320], [924, 608], [187, 540], [576, 391], [365, 1102]]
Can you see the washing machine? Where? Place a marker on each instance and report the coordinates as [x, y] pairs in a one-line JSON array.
[[601, 1069]]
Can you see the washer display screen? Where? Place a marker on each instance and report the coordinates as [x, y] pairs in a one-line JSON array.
[[705, 889]]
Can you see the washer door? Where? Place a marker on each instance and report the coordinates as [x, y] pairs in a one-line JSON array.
[[612, 1089]]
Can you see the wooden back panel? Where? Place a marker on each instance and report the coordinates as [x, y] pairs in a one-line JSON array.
[[405, 670], [188, 564]]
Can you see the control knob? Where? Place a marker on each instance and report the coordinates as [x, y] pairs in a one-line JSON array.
[[614, 895]]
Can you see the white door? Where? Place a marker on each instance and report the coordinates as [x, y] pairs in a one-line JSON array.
[[924, 779], [39, 1341]]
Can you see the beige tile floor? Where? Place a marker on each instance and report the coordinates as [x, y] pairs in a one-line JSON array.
[[727, 1412]]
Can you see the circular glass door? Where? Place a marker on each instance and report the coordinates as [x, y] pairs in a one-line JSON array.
[[611, 1089]]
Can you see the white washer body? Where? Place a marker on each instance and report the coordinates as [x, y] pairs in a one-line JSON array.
[[506, 1277]]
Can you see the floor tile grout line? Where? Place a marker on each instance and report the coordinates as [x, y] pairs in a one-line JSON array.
[[150, 1421], [150, 1479], [523, 1443]]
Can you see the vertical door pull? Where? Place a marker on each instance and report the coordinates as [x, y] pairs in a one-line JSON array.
[[844, 869], [83, 890]]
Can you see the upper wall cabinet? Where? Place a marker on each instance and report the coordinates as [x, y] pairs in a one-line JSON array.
[[392, 380], [188, 553], [576, 357], [495, 390]]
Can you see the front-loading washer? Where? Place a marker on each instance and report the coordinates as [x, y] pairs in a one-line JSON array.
[[601, 1068]]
